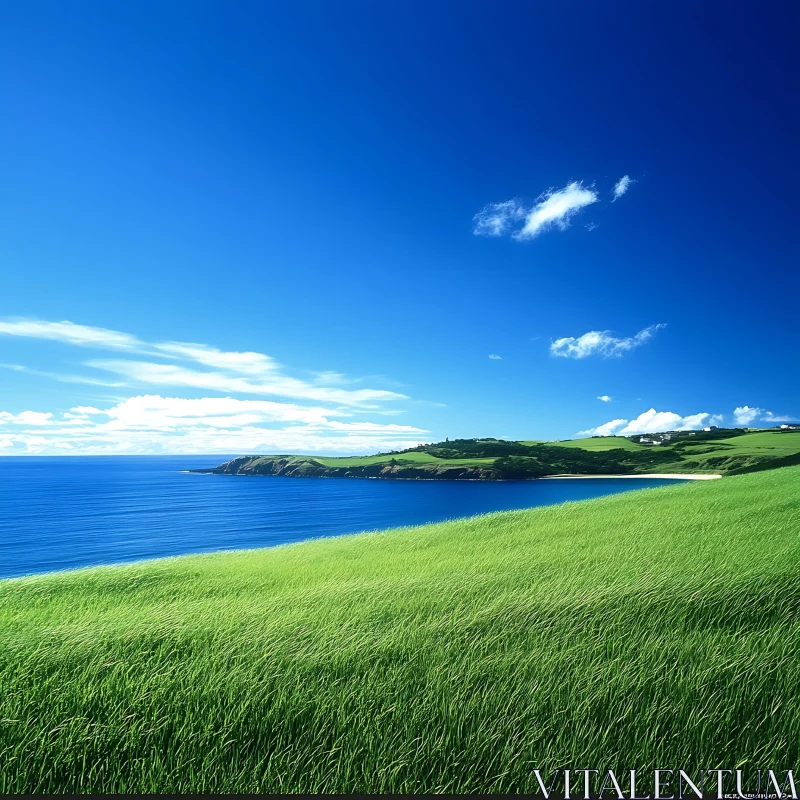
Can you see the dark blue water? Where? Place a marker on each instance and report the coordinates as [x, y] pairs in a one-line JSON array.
[[61, 512]]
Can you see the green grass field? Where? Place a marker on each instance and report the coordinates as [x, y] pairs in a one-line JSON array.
[[723, 454], [603, 443], [648, 629], [719, 455]]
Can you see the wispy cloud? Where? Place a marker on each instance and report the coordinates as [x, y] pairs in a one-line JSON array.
[[152, 423], [154, 374], [744, 415], [324, 413], [331, 378], [231, 371], [601, 343], [497, 219], [253, 364], [69, 333], [554, 209], [63, 377], [650, 421], [770, 417], [604, 398], [622, 186], [495, 357]]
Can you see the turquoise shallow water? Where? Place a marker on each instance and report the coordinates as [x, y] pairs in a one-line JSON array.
[[61, 512]]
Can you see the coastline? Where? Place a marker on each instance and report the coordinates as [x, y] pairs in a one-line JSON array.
[[661, 475], [673, 476]]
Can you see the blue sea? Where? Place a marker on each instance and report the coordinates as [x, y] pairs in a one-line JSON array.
[[65, 512]]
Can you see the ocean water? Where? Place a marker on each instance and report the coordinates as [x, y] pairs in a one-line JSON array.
[[66, 512]]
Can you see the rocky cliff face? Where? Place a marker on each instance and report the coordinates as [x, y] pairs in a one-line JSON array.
[[292, 466]]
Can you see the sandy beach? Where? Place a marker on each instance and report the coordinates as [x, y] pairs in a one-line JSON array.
[[647, 475]]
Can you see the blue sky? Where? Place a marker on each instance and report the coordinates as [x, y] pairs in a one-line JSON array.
[[319, 227]]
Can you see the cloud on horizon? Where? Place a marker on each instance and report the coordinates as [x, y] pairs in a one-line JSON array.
[[156, 424], [322, 415], [553, 209], [601, 343], [744, 415], [650, 421], [770, 417], [653, 421]]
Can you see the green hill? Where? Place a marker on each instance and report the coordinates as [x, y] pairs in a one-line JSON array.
[[652, 628], [714, 452], [601, 443]]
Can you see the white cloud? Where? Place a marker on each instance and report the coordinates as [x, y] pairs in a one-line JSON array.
[[309, 422], [254, 364], [209, 440], [606, 429], [604, 397], [553, 209], [601, 343], [332, 378], [152, 423], [373, 427], [245, 372], [622, 186], [69, 333], [145, 372], [650, 421], [770, 417], [716, 419], [744, 415], [62, 378], [161, 412], [556, 209], [495, 357], [497, 219], [25, 418]]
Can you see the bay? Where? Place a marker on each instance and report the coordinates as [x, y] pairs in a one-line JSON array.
[[65, 512]]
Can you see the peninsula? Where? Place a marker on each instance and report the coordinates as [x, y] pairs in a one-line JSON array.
[[680, 453]]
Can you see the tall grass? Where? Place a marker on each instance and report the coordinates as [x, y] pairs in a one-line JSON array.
[[658, 628]]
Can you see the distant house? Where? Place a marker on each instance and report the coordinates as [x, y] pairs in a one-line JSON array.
[[711, 428]]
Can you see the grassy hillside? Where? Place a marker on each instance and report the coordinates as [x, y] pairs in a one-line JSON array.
[[651, 628], [720, 452], [601, 443], [746, 452]]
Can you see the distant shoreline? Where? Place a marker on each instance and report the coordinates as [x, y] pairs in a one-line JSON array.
[[639, 475], [694, 477]]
